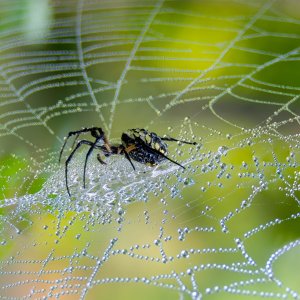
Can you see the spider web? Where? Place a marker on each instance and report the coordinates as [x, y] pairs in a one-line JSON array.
[[222, 73]]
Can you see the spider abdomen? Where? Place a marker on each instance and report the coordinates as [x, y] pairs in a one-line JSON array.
[[144, 147], [144, 156]]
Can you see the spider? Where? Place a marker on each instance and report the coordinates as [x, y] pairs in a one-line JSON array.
[[137, 144]]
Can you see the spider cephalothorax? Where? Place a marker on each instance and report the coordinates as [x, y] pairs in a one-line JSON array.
[[137, 144]]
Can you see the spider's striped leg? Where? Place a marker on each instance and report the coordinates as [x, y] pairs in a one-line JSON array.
[[95, 132], [82, 142], [170, 139]]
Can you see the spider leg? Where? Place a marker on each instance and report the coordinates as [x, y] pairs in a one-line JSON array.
[[82, 142], [161, 154], [75, 140], [93, 146], [101, 161], [94, 132], [168, 158], [128, 157], [170, 139]]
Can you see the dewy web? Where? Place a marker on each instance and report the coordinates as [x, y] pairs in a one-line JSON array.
[[223, 74]]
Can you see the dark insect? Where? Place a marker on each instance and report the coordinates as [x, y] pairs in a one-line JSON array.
[[137, 144]]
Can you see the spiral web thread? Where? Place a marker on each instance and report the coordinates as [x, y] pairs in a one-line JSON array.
[[227, 79]]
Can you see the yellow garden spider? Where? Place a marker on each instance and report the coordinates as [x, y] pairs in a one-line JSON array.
[[137, 144]]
